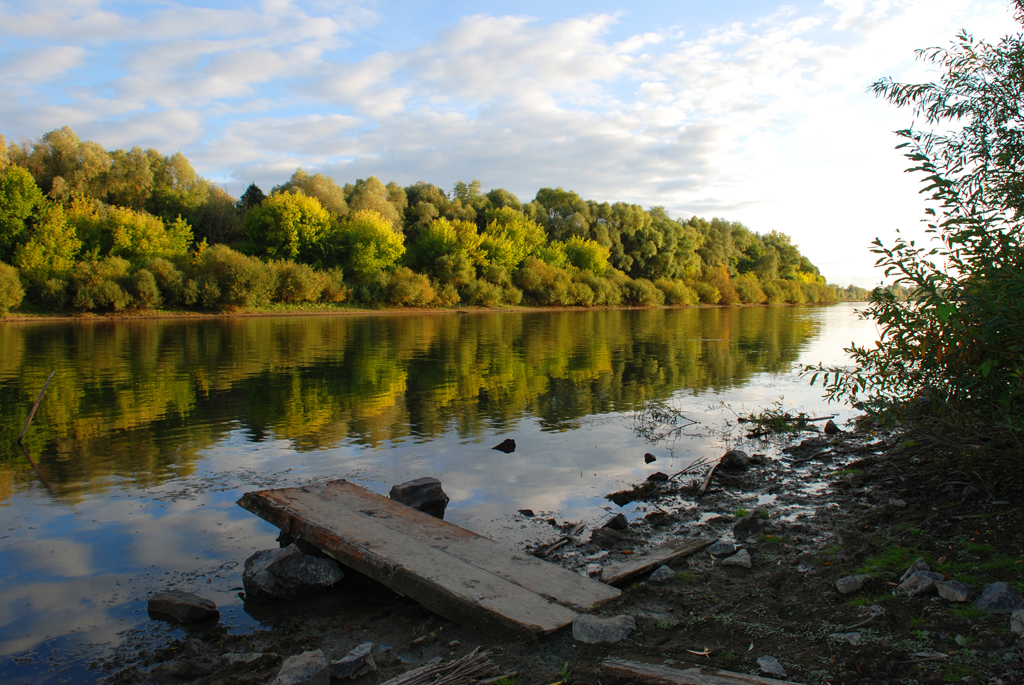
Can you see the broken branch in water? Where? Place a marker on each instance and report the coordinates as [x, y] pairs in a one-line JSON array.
[[657, 421], [35, 406]]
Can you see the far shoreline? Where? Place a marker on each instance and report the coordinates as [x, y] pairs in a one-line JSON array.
[[167, 315]]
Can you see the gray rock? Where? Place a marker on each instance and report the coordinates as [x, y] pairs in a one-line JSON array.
[[1017, 622], [594, 630], [657, 477], [661, 574], [606, 538], [308, 668], [356, 659], [252, 660], [771, 666], [999, 598], [617, 522], [741, 558], [649, 458], [831, 428], [919, 565], [898, 503], [722, 549], [424, 494], [287, 573], [954, 590], [746, 526], [184, 607], [969, 490], [850, 638], [919, 583], [848, 584], [735, 459]]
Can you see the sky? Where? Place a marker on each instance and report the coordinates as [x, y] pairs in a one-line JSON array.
[[756, 112]]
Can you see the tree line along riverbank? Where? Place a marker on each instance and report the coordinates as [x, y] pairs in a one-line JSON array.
[[85, 229]]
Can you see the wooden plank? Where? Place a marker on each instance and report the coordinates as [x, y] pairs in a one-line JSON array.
[[689, 676], [442, 583], [544, 578], [620, 573]]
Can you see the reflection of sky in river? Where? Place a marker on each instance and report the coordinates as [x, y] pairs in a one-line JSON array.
[[76, 573]]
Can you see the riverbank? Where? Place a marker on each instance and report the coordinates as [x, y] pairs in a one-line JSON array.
[[338, 310], [859, 503]]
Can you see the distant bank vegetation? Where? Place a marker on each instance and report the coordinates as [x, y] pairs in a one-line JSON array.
[[86, 229]]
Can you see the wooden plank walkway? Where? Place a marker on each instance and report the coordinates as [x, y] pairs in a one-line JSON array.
[[452, 571]]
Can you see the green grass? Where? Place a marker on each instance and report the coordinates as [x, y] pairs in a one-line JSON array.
[[507, 680], [892, 560], [741, 512], [966, 611], [686, 577]]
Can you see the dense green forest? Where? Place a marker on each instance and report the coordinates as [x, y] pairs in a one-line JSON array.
[[83, 228]]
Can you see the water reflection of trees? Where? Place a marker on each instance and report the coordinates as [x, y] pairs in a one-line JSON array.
[[138, 400]]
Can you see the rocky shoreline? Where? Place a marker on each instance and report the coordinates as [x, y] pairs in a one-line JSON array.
[[845, 558]]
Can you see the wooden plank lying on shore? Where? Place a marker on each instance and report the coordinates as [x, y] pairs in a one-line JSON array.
[[617, 574], [452, 571], [690, 676]]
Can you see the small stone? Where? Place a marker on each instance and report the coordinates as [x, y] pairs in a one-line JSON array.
[[831, 428], [954, 590], [919, 565], [657, 477], [771, 666], [287, 573], [741, 558], [508, 446], [356, 659], [851, 638], [184, 607], [722, 549], [969, 490], [919, 583], [308, 668], [650, 458], [661, 574], [528, 513], [424, 494], [594, 630], [1017, 622], [617, 522], [606, 537], [734, 459], [898, 503], [849, 584], [746, 526], [999, 598]]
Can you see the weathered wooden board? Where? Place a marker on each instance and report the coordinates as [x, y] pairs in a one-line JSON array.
[[454, 572], [689, 676], [617, 574]]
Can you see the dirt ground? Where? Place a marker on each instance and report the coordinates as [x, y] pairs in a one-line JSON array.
[[856, 503]]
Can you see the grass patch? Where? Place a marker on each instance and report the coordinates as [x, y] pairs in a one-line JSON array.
[[892, 560], [741, 512], [686, 577], [966, 611]]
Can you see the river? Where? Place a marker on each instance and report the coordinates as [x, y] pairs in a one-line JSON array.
[[152, 429]]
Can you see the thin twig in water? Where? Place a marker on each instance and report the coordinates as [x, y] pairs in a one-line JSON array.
[[459, 672], [35, 406]]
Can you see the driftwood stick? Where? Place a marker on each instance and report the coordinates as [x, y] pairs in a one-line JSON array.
[[707, 479], [36, 469], [35, 406], [557, 544], [459, 672], [691, 676]]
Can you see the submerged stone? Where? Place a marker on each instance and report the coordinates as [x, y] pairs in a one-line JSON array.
[[184, 607], [287, 573]]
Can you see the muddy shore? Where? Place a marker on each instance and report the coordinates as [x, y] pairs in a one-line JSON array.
[[856, 503]]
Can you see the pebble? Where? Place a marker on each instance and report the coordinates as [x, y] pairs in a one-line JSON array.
[[741, 558], [771, 666], [849, 584], [308, 668], [721, 549], [661, 574], [919, 583], [184, 607], [594, 630], [954, 590]]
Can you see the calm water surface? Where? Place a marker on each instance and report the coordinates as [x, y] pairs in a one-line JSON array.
[[151, 430]]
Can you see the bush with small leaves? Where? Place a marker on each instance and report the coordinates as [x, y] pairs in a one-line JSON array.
[[481, 293], [144, 289], [406, 288], [297, 282], [169, 279], [543, 283], [11, 292], [227, 277], [749, 289], [606, 291], [581, 294], [677, 292], [643, 293], [51, 293], [98, 284], [707, 293], [334, 290]]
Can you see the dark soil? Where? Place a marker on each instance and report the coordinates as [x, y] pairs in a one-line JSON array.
[[858, 503]]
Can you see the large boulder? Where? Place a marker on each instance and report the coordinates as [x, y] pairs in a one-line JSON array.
[[287, 573], [999, 598], [594, 630], [183, 607], [424, 494], [308, 668]]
